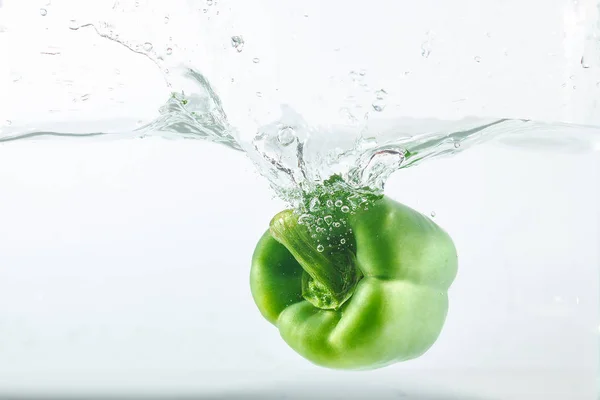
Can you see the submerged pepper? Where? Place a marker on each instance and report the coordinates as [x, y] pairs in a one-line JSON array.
[[377, 298]]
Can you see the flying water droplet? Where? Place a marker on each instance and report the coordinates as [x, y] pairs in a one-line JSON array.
[[148, 46], [286, 136], [425, 49], [256, 60], [456, 145], [477, 59], [209, 2], [378, 105], [433, 214], [166, 19], [381, 94], [362, 72], [43, 12], [258, 94], [73, 25], [237, 42], [169, 51], [584, 64]]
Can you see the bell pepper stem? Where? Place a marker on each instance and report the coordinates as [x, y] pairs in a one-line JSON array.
[[330, 277]]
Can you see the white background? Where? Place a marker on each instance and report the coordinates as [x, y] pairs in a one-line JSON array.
[[124, 265]]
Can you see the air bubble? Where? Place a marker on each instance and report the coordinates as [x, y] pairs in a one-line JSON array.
[[320, 248], [345, 209], [337, 224], [338, 203], [305, 219], [342, 241], [328, 219], [320, 221], [329, 203], [43, 12], [286, 136], [237, 42], [148, 46], [315, 205]]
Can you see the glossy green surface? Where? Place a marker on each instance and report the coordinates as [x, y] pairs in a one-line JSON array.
[[398, 308]]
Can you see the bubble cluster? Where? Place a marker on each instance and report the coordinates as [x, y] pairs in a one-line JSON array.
[[326, 211]]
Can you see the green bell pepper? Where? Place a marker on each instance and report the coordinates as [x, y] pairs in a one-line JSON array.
[[377, 296]]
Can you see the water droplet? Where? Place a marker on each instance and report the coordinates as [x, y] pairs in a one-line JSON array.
[[166, 19], [315, 205], [345, 209], [85, 97], [477, 59], [456, 145], [425, 49], [378, 105], [209, 2], [258, 94], [381, 94], [339, 203], [329, 203], [237, 42], [148, 46], [584, 64], [362, 72], [256, 60], [320, 248], [169, 51], [43, 12], [433, 214], [73, 25], [328, 219], [286, 136]]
